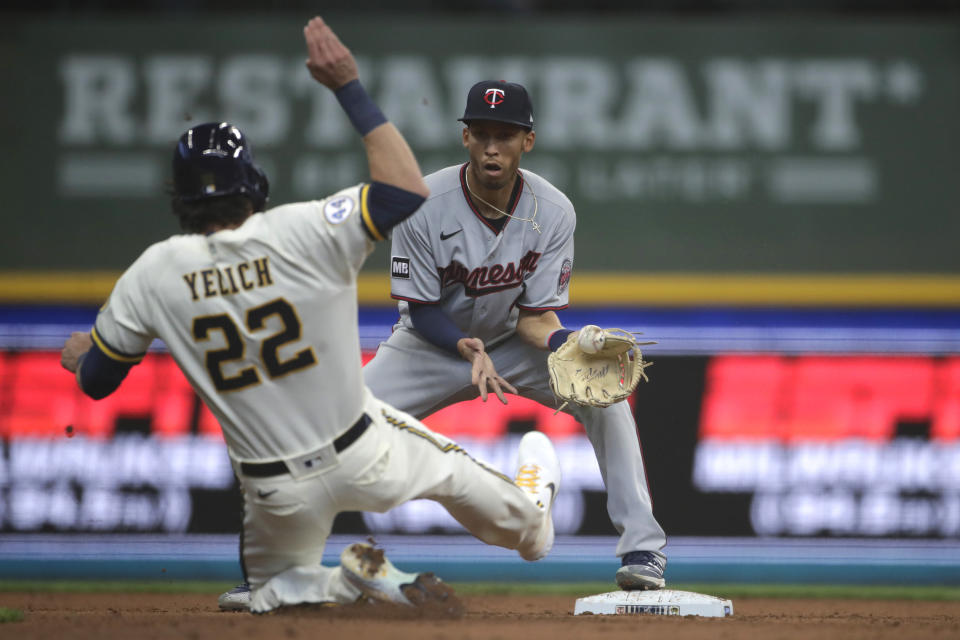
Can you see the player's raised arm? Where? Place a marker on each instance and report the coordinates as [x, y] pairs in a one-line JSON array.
[[398, 188]]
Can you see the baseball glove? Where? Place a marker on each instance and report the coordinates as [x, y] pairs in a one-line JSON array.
[[600, 368]]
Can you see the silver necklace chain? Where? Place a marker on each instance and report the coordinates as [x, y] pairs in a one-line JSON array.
[[531, 219]]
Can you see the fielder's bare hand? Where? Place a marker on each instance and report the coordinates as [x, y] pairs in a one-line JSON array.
[[483, 373], [76, 345], [329, 61]]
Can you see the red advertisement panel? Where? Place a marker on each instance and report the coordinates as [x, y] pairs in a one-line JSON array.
[[38, 399], [795, 399]]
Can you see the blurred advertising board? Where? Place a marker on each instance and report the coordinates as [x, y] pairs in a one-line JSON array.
[[711, 146], [738, 444]]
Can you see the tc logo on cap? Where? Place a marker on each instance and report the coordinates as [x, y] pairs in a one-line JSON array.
[[493, 97]]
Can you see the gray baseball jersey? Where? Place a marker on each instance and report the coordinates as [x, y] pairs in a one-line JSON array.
[[449, 254]]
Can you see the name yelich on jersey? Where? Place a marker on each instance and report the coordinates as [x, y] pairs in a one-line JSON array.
[[230, 279]]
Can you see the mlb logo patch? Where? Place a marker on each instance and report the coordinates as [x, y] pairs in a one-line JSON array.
[[400, 268]]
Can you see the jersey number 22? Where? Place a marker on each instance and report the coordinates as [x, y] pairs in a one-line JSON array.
[[269, 348]]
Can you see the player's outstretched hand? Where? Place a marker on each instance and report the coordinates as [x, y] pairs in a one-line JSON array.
[[483, 373], [329, 61], [76, 345]]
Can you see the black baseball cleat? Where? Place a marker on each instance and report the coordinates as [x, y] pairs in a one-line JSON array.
[[641, 570], [368, 569]]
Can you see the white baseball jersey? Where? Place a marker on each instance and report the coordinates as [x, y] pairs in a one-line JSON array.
[[262, 319], [449, 254]]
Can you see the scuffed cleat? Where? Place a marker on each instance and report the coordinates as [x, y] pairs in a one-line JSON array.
[[641, 570], [237, 599], [368, 569], [538, 474]]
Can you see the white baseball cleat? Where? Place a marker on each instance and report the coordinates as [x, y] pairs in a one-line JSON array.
[[368, 569], [538, 474]]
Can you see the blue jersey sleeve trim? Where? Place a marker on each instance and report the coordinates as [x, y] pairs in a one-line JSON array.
[[367, 222], [100, 374], [385, 206], [114, 354]]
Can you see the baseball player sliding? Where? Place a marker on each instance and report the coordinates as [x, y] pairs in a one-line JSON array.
[[259, 310]]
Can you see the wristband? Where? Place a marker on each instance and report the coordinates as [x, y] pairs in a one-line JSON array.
[[557, 338], [364, 114]]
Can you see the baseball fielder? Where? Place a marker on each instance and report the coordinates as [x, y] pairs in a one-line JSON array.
[[259, 310], [479, 273]]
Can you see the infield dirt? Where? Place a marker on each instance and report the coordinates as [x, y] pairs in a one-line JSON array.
[[147, 616]]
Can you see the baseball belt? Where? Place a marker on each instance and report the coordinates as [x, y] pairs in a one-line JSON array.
[[344, 440]]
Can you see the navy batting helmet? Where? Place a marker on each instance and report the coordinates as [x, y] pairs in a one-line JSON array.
[[214, 159]]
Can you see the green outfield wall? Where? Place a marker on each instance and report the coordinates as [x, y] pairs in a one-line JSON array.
[[736, 146]]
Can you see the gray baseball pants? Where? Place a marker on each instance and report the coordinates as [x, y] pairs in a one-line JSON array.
[[414, 376]]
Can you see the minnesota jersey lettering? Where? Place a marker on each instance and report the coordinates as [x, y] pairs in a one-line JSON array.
[[229, 280], [489, 279]]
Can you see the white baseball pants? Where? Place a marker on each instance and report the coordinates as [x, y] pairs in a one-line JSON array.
[[287, 521]]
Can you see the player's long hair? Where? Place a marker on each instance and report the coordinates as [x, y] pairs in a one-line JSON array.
[[221, 211]]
